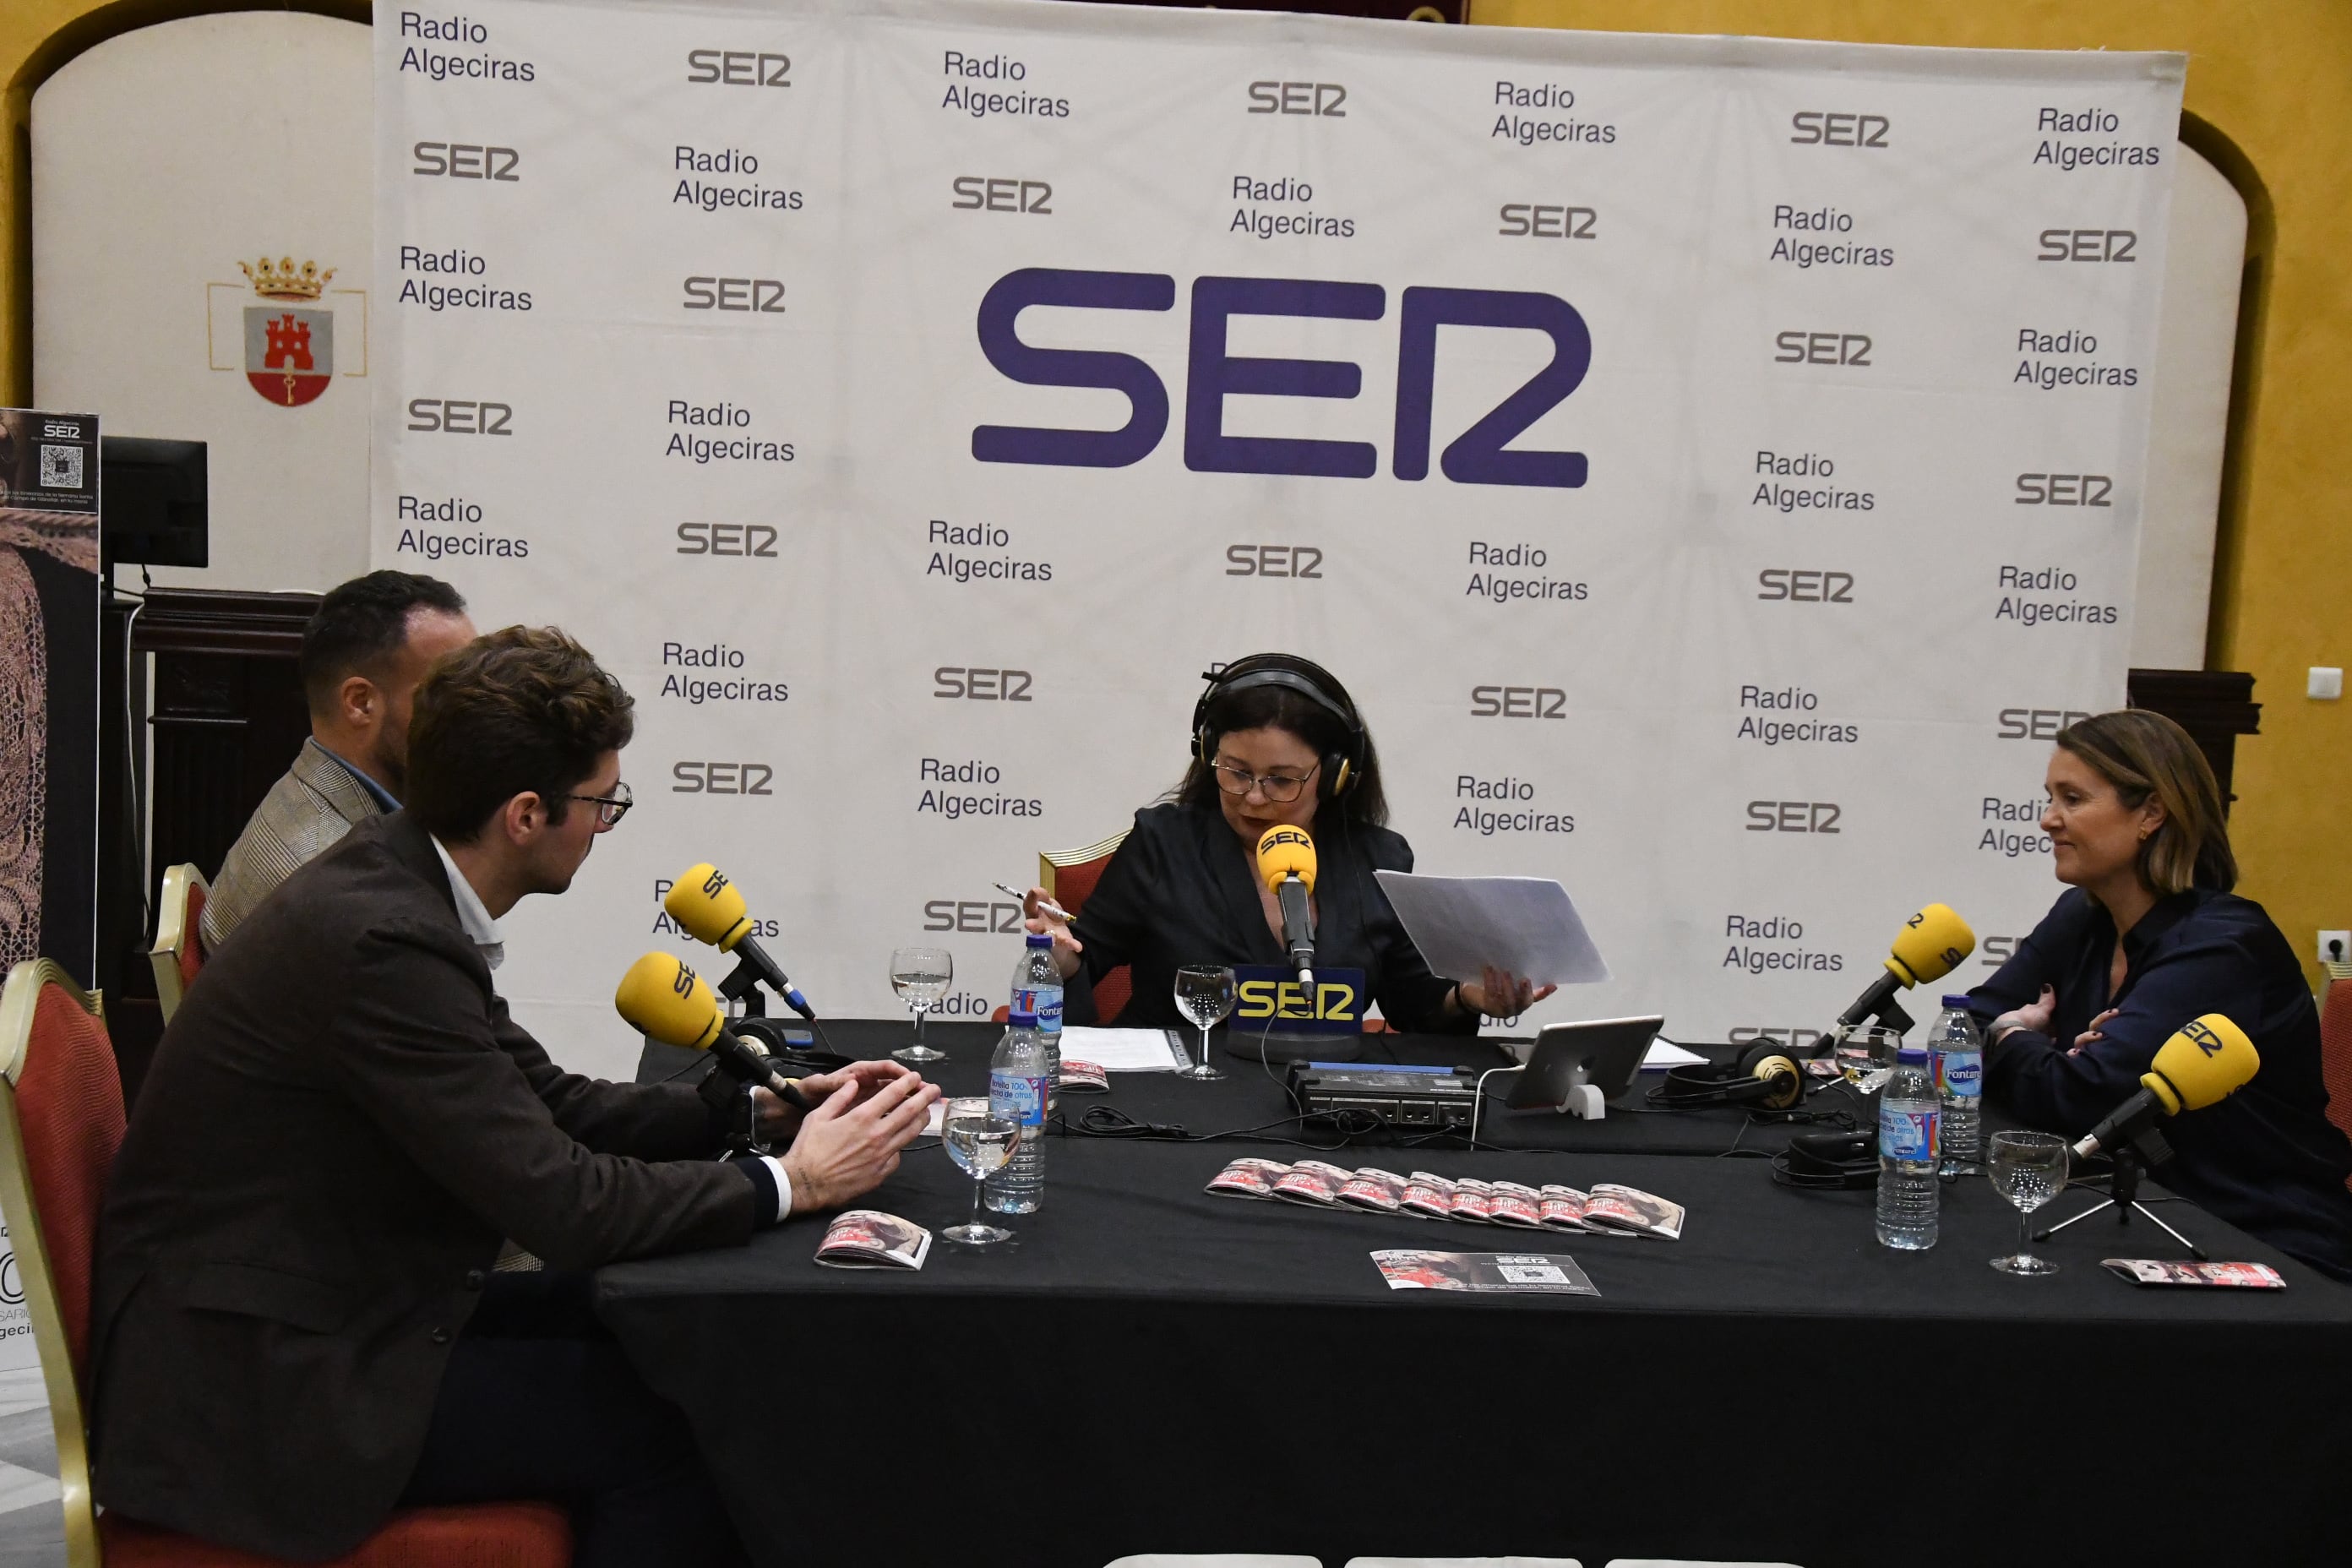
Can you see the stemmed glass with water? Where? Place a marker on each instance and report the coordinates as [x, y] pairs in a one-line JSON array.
[[1865, 1056], [2029, 1169], [980, 1141], [921, 975], [1204, 994]]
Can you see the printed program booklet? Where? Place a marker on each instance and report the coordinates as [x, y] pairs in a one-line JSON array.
[[1608, 1209], [2167, 1271], [869, 1239], [1536, 1273]]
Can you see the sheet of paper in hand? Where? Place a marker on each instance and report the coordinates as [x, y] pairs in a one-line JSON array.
[[1537, 1273], [869, 1239]]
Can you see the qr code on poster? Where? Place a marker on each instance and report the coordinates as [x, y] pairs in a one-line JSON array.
[[60, 467]]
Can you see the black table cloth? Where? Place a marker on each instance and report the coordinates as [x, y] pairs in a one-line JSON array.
[[1168, 1371]]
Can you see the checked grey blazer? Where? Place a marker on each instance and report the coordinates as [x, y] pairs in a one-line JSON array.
[[304, 813]]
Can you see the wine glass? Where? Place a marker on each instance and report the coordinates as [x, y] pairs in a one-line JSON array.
[[2029, 1169], [1204, 994], [1865, 1056], [978, 1141], [920, 976]]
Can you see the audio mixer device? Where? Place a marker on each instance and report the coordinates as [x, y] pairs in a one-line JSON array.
[[1413, 1099]]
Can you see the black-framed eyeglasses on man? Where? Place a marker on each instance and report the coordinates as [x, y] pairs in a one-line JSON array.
[[1280, 787], [610, 808]]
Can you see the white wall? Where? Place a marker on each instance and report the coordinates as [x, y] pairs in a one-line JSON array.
[[160, 158]]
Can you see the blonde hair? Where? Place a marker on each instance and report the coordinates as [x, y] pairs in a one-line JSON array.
[[2146, 755]]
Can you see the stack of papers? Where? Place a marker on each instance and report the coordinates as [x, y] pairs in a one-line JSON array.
[[1123, 1050]]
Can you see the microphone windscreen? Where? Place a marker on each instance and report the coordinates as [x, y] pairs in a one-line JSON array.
[[1283, 850], [662, 997], [2208, 1060], [1931, 944], [708, 906]]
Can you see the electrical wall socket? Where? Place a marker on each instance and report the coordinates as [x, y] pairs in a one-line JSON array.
[[2335, 946]]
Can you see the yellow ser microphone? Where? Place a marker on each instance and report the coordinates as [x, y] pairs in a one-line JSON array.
[[1285, 860], [710, 910], [2207, 1060], [660, 996], [1931, 944]]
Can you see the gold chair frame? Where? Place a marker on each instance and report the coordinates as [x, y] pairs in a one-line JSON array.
[[174, 933], [1051, 860], [18, 1002]]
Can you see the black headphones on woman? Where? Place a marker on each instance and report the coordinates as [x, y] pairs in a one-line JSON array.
[[1340, 769]]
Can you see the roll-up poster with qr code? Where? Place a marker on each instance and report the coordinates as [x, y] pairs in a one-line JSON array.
[[48, 688]]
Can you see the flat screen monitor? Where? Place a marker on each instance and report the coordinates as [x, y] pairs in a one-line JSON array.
[[151, 501]]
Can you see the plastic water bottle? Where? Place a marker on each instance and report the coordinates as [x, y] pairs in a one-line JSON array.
[[1907, 1189], [1017, 1084], [1037, 991], [1957, 1053]]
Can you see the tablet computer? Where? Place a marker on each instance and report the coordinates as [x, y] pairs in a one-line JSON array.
[[1603, 1052]]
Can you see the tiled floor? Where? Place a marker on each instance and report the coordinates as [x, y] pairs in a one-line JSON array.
[[32, 1531]]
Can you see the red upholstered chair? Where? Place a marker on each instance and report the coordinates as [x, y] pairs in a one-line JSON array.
[[2336, 1053], [61, 1125], [1068, 877], [179, 949]]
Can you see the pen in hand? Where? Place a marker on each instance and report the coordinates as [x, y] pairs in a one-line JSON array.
[[1045, 906]]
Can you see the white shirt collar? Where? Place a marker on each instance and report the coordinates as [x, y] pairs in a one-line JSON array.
[[481, 929]]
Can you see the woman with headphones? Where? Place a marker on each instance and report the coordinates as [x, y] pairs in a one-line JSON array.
[[1277, 741]]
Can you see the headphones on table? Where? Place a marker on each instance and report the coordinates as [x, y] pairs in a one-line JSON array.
[[1340, 769], [1767, 1075], [1828, 1162]]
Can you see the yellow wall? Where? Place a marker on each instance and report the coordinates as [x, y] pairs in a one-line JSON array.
[[2275, 79]]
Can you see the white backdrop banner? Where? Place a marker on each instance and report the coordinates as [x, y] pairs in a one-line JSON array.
[[1714, 465]]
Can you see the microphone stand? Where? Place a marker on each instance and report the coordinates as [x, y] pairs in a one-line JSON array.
[[743, 987], [2131, 1160]]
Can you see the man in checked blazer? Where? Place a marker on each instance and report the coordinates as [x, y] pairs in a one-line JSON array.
[[295, 1325], [366, 647]]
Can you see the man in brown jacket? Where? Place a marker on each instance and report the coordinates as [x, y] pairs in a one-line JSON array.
[[295, 1323]]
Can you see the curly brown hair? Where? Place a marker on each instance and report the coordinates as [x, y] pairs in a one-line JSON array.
[[525, 709]]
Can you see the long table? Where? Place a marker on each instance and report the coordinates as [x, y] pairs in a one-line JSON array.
[[1150, 1368]]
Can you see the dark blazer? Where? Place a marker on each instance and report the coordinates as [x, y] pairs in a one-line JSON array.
[[1180, 889], [2267, 1159], [340, 1124]]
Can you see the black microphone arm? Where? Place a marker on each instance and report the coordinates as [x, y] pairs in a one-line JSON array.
[[2131, 1123], [744, 1064], [1297, 926], [1879, 1002], [755, 966]]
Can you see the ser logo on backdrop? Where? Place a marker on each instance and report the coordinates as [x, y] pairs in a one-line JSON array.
[[2088, 245], [1517, 702], [721, 778], [1002, 193], [1803, 346], [1793, 816], [977, 917], [466, 161], [1531, 220], [1303, 562], [953, 682], [1325, 100], [1480, 455], [752, 541], [1821, 128], [738, 68], [2064, 489], [460, 417], [1790, 584], [755, 296], [2035, 723]]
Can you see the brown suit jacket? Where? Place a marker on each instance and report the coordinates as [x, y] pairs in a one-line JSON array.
[[340, 1124], [315, 804]]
